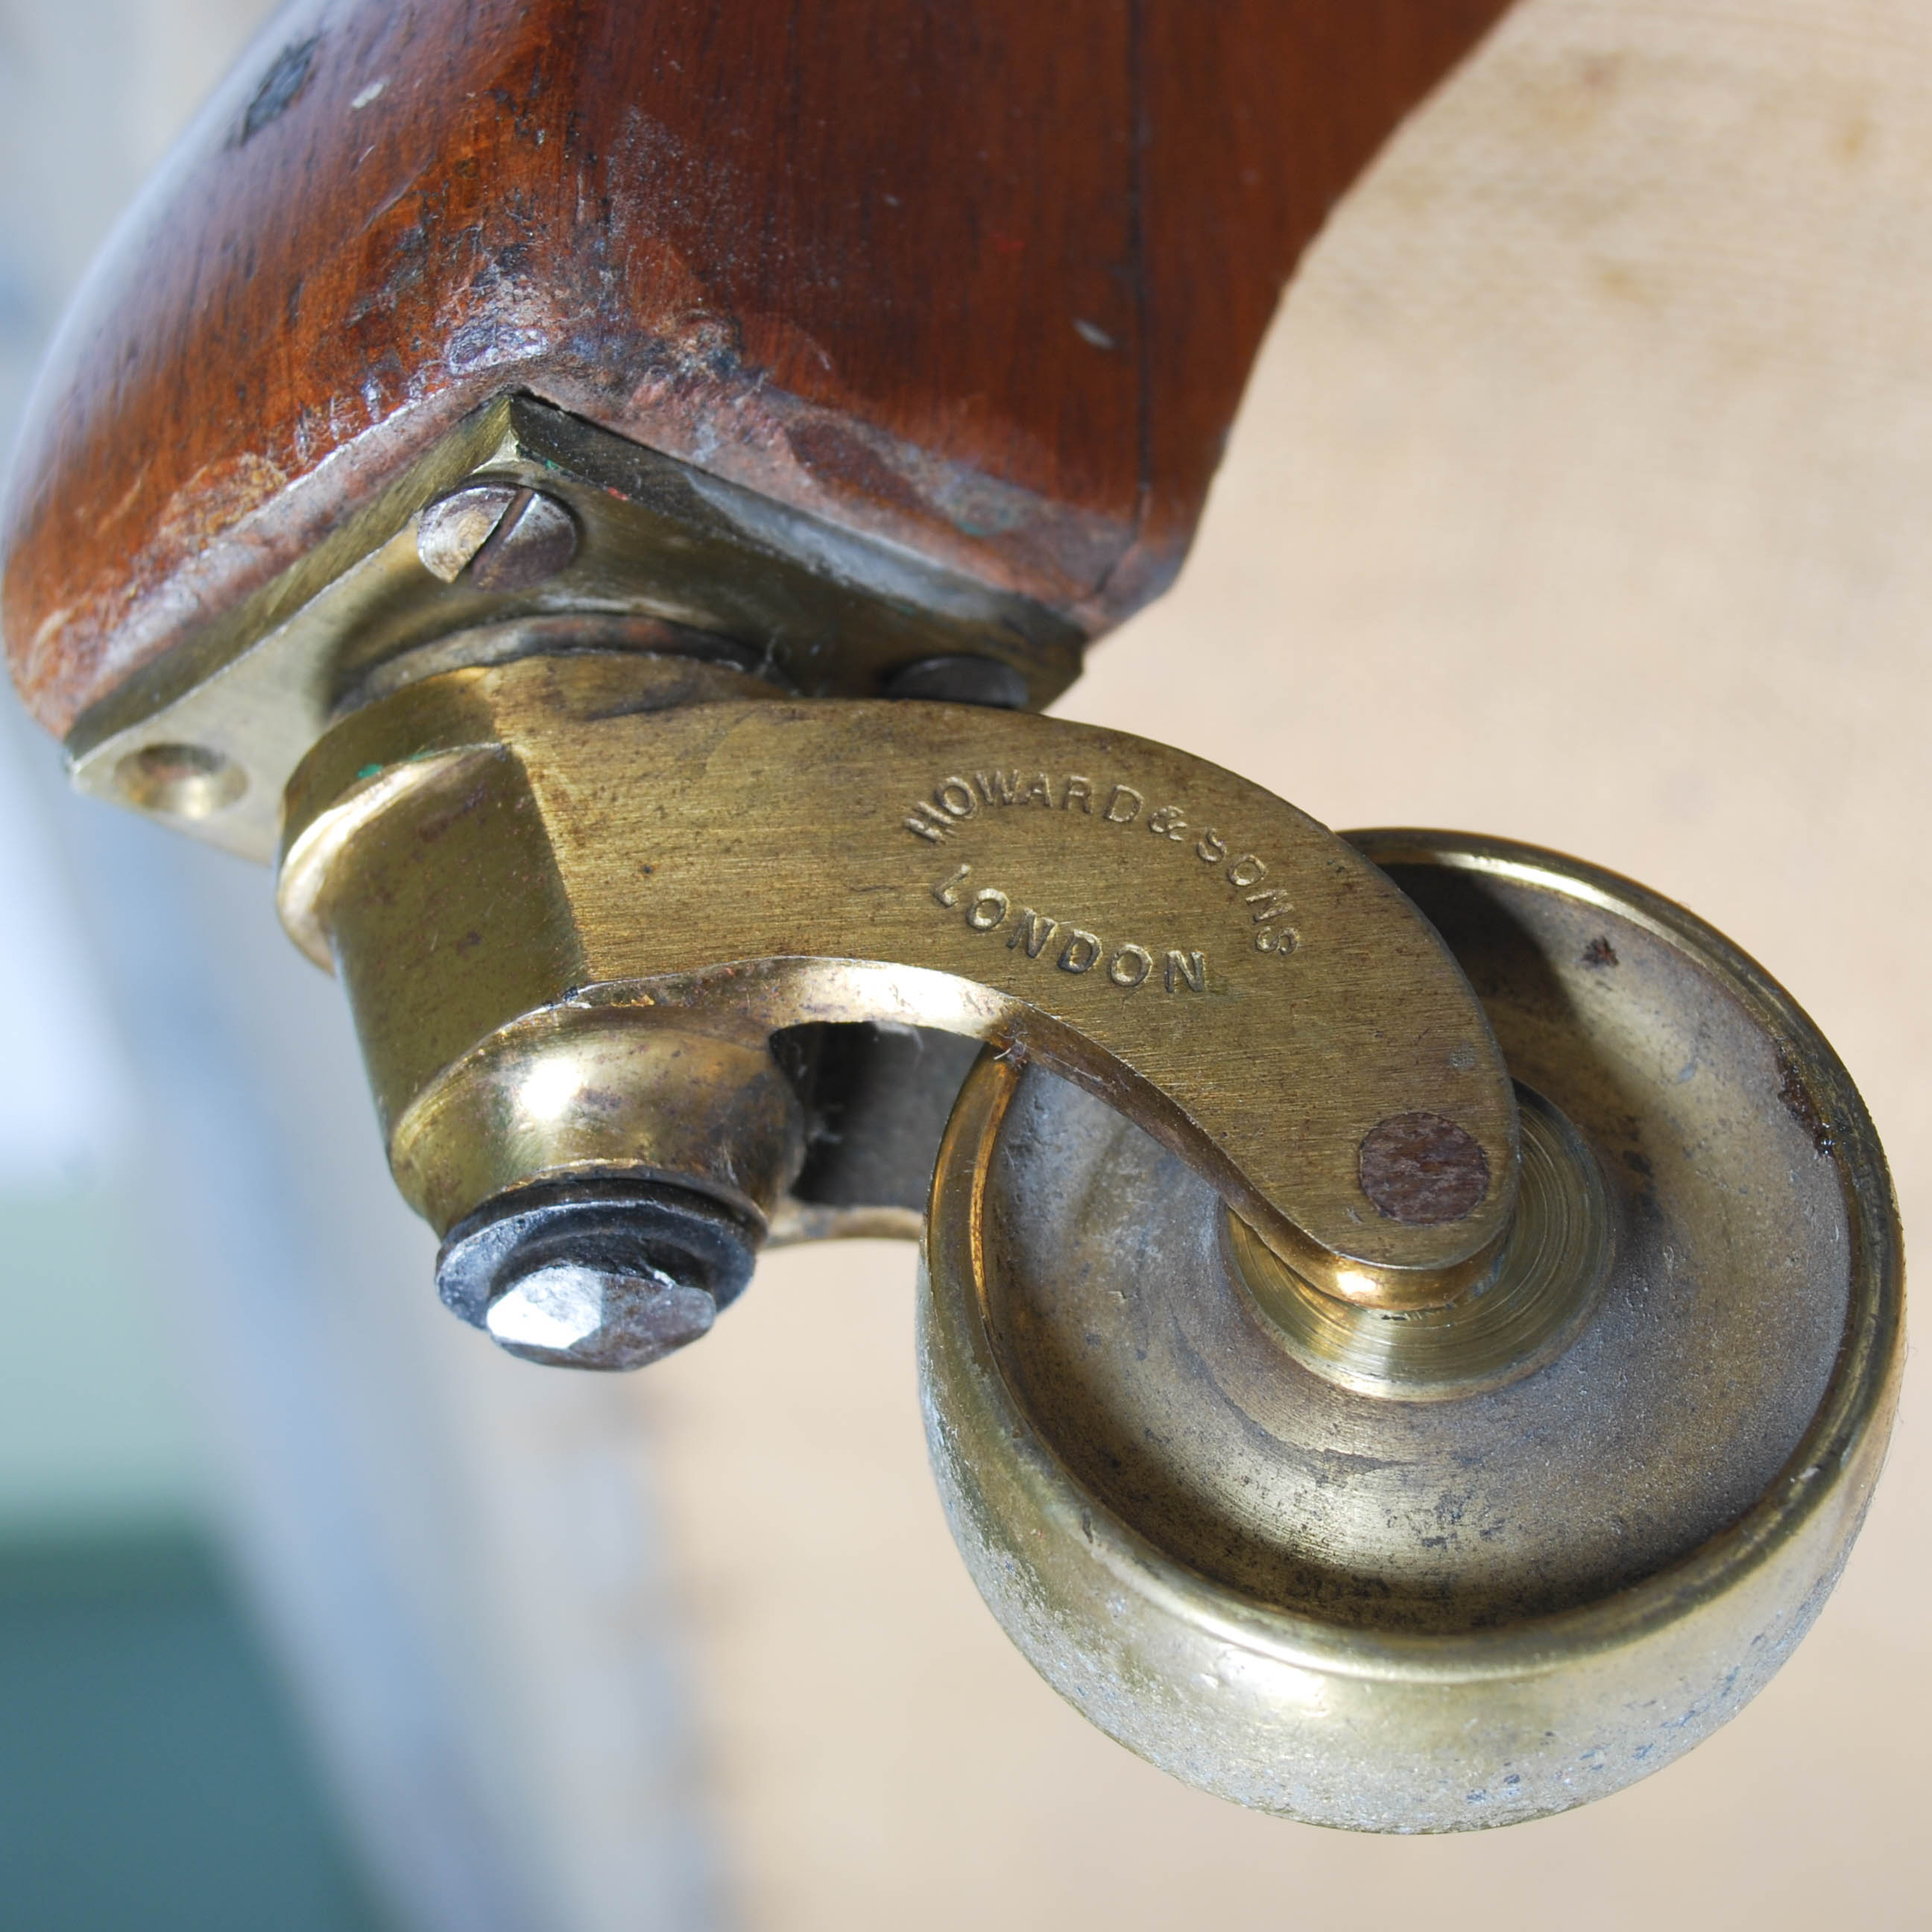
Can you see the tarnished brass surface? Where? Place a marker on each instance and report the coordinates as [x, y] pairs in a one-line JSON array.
[[1539, 1288], [490, 853], [1321, 1600], [831, 612], [583, 1088]]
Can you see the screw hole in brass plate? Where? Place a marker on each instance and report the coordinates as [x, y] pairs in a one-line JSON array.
[[181, 780]]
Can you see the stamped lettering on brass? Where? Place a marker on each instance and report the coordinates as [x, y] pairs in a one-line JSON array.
[[1067, 948], [1267, 906], [1246, 876], [962, 796]]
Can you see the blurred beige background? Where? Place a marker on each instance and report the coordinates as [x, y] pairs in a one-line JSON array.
[[1581, 496], [1585, 494]]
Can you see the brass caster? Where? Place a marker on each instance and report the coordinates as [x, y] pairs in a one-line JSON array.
[[1411, 1323], [1410, 1326], [1431, 1570]]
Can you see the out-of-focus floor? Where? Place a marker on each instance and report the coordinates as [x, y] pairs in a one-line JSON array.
[[155, 1774], [1582, 495], [314, 1609], [151, 1777]]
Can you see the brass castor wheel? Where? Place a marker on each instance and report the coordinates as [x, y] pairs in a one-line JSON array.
[[1434, 1570], [1409, 1362]]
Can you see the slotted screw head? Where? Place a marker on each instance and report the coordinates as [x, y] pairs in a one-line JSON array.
[[507, 537]]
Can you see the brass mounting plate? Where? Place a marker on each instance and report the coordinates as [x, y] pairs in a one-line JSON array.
[[206, 738]]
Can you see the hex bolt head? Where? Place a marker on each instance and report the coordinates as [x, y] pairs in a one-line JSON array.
[[507, 537], [596, 1275], [567, 1316]]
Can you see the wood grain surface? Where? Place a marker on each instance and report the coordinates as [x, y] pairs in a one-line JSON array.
[[985, 281]]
